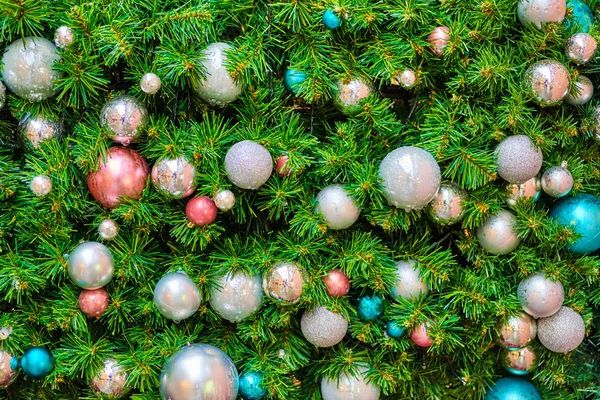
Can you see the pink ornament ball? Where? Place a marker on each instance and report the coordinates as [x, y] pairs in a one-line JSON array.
[[336, 283], [201, 211], [94, 302], [420, 336]]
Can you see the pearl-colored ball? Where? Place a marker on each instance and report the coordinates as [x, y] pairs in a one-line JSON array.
[[407, 79], [248, 165], [438, 40], [348, 95], [109, 382], [8, 369], [174, 177], [517, 159], [539, 12], [540, 296], [219, 87], [557, 181], [337, 207], [561, 332], [528, 190], [125, 118], [498, 234], [36, 130], [108, 229], [409, 283], [91, 265], [236, 296], [40, 185], [548, 82], [225, 200], [582, 93], [580, 48], [411, 177], [350, 386], [518, 331], [284, 283], [520, 361], [446, 208], [150, 83], [63, 36], [322, 327], [176, 296]]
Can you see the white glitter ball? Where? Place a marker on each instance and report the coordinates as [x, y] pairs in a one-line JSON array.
[[248, 165], [322, 327], [561, 332], [517, 159]]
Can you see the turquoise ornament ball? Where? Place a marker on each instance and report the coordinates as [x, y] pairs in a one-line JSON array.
[[37, 362], [370, 307], [582, 213], [251, 386], [582, 16], [513, 389], [331, 20], [394, 330], [292, 79]]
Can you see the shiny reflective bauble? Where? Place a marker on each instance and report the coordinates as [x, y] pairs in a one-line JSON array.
[[582, 93], [557, 181], [420, 336], [37, 362], [520, 361], [518, 331], [410, 177], [331, 20], [5, 332], [539, 12], [284, 282], [438, 40], [580, 48], [28, 67], [337, 207], [91, 265], [174, 177], [350, 386], [322, 327], [124, 174], [561, 332], [201, 211], [292, 79], [108, 229], [63, 36], [125, 118], [8, 369], [407, 79], [512, 389], [2, 95], [446, 207], [176, 296], [252, 386], [40, 185], [93, 303], [548, 82], [109, 382], [236, 296], [248, 165], [337, 283], [498, 233], [225, 200], [348, 94], [370, 307], [150, 83], [394, 330], [582, 214], [532, 189], [582, 15], [540, 296], [409, 283], [199, 371], [36, 130], [280, 166], [517, 159], [218, 87]]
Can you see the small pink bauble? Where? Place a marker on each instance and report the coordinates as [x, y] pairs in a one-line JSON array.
[[438, 40], [93, 303], [420, 336], [280, 167], [201, 211], [336, 283]]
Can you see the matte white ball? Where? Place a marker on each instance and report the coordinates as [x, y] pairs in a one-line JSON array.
[[517, 159], [582, 92], [91, 265], [548, 81], [236, 296], [219, 87], [225, 200], [539, 12], [498, 234], [150, 83], [322, 327], [540, 296], [108, 229], [36, 130], [350, 387], [409, 283], [176, 296], [41, 185], [248, 165], [561, 332], [63, 36], [557, 181], [337, 208]]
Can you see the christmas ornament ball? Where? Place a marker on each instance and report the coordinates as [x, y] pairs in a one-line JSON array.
[[582, 92], [176, 296], [28, 68], [409, 283], [225, 200], [331, 20], [337, 283], [582, 214], [348, 94], [518, 331], [517, 159], [548, 82], [520, 361], [532, 189], [322, 327], [201, 211], [40, 185], [557, 181], [125, 118], [63, 36], [109, 382], [36, 130], [280, 166], [37, 362], [8, 369], [438, 40], [292, 79], [540, 296], [108, 229], [580, 48], [512, 388], [420, 336], [2, 95], [248, 165], [394, 330], [174, 177], [561, 332], [199, 371], [539, 12], [582, 15], [236, 296], [284, 282], [93, 303], [252, 386], [218, 87], [410, 177], [446, 208], [370, 307], [337, 207], [150, 83], [407, 79], [90, 265], [498, 234], [350, 386]]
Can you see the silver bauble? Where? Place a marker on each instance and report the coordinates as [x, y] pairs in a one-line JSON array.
[[518, 331], [539, 12], [248, 165], [91, 265], [337, 207], [199, 372], [580, 48], [225, 200], [8, 369], [348, 94], [125, 118], [561, 332], [446, 207], [498, 234], [548, 81], [176, 296], [108, 229], [219, 87], [528, 190], [63, 36], [150, 83], [517, 159], [409, 283], [520, 361], [40, 185], [284, 282], [174, 177], [322, 327], [540, 296], [109, 382], [36, 130], [28, 67], [236, 296], [2, 95], [407, 79], [350, 387], [582, 92], [557, 181], [410, 177]]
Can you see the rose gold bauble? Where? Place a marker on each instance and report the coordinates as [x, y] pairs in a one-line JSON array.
[[280, 167], [438, 40], [420, 336], [201, 211], [93, 303], [337, 283], [123, 175]]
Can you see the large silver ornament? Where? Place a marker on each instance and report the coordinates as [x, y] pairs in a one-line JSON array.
[[540, 296], [219, 87], [125, 118], [108, 229], [174, 178], [409, 283], [176, 296], [236, 296], [109, 382], [518, 331], [150, 83], [337, 207], [548, 81], [407, 79], [350, 387], [561, 332], [520, 361], [557, 181], [582, 92], [40, 185], [225, 200], [517, 159], [8, 369], [284, 282], [539, 12], [446, 207], [63, 36], [248, 165], [580, 48], [90, 265], [528, 190], [347, 95], [322, 327], [36, 130], [498, 234]]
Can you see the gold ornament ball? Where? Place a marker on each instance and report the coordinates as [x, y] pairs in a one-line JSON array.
[[36, 130], [284, 283], [520, 361], [518, 331], [63, 36], [548, 81], [150, 83], [446, 208], [528, 190], [125, 118], [580, 48], [540, 12], [41, 185], [582, 92], [348, 94]]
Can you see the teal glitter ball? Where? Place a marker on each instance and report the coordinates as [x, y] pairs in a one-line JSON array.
[[513, 389], [251, 386], [370, 307], [292, 79], [37, 362], [582, 16], [394, 330], [331, 20], [582, 213]]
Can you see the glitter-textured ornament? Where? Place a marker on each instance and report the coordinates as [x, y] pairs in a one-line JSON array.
[[93, 303], [236, 296], [370, 307], [28, 67], [199, 372], [63, 36], [512, 389], [124, 174], [108, 229], [248, 165], [446, 207], [337, 207], [8, 369], [517, 159], [539, 12], [225, 200], [109, 382], [90, 265], [40, 185], [292, 79], [176, 296], [337, 283], [125, 118], [280, 167], [394, 330], [548, 82], [531, 189], [2, 95], [348, 94], [580, 48], [520, 361], [582, 92], [498, 234], [37, 362], [201, 211], [557, 181], [219, 87], [350, 386], [518, 331], [561, 332], [410, 177], [284, 282], [322, 327], [420, 336], [252, 386], [582, 16], [438, 40], [36, 130], [540, 296], [331, 20], [150, 83], [407, 79], [409, 283], [174, 177], [582, 214]]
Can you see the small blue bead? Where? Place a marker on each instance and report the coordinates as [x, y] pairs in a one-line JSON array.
[[37, 362], [251, 387], [370, 307], [582, 15], [292, 79], [331, 20], [582, 214], [513, 389], [14, 363], [394, 330]]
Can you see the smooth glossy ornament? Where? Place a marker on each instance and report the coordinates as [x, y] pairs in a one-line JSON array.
[[557, 181], [518, 160], [109, 382], [108, 229], [199, 371], [36, 130], [236, 296], [322, 327], [8, 369], [94, 303], [28, 68], [561, 332], [518, 331], [176, 296], [548, 82], [125, 118], [337, 283], [280, 167], [407, 79], [292, 80], [370, 307], [520, 361], [219, 87], [582, 214], [2, 95], [174, 177], [63, 37], [331, 20], [40, 185], [252, 386], [201, 211], [337, 207], [532, 189], [410, 177], [446, 208], [498, 234], [512, 389], [580, 48], [91, 265], [409, 283], [348, 94], [540, 12], [248, 165], [37, 362], [284, 282], [540, 296], [350, 386], [420, 336], [582, 16], [225, 200], [394, 330], [150, 83], [438, 40], [582, 93]]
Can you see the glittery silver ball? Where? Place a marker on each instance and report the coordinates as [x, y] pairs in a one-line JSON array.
[[540, 296], [91, 265], [337, 208], [225, 200], [248, 165], [561, 332], [109, 382], [219, 87], [528, 190], [125, 118], [520, 361], [63, 36], [582, 92], [2, 95], [322, 327], [409, 283], [8, 369], [150, 83], [349, 386], [518, 331], [174, 177], [284, 282], [108, 229], [557, 181], [348, 95], [517, 159], [407, 79], [40, 185], [580, 48], [410, 177], [539, 12], [28, 67], [36, 130], [446, 207], [236, 296], [498, 234], [548, 81], [176, 296]]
